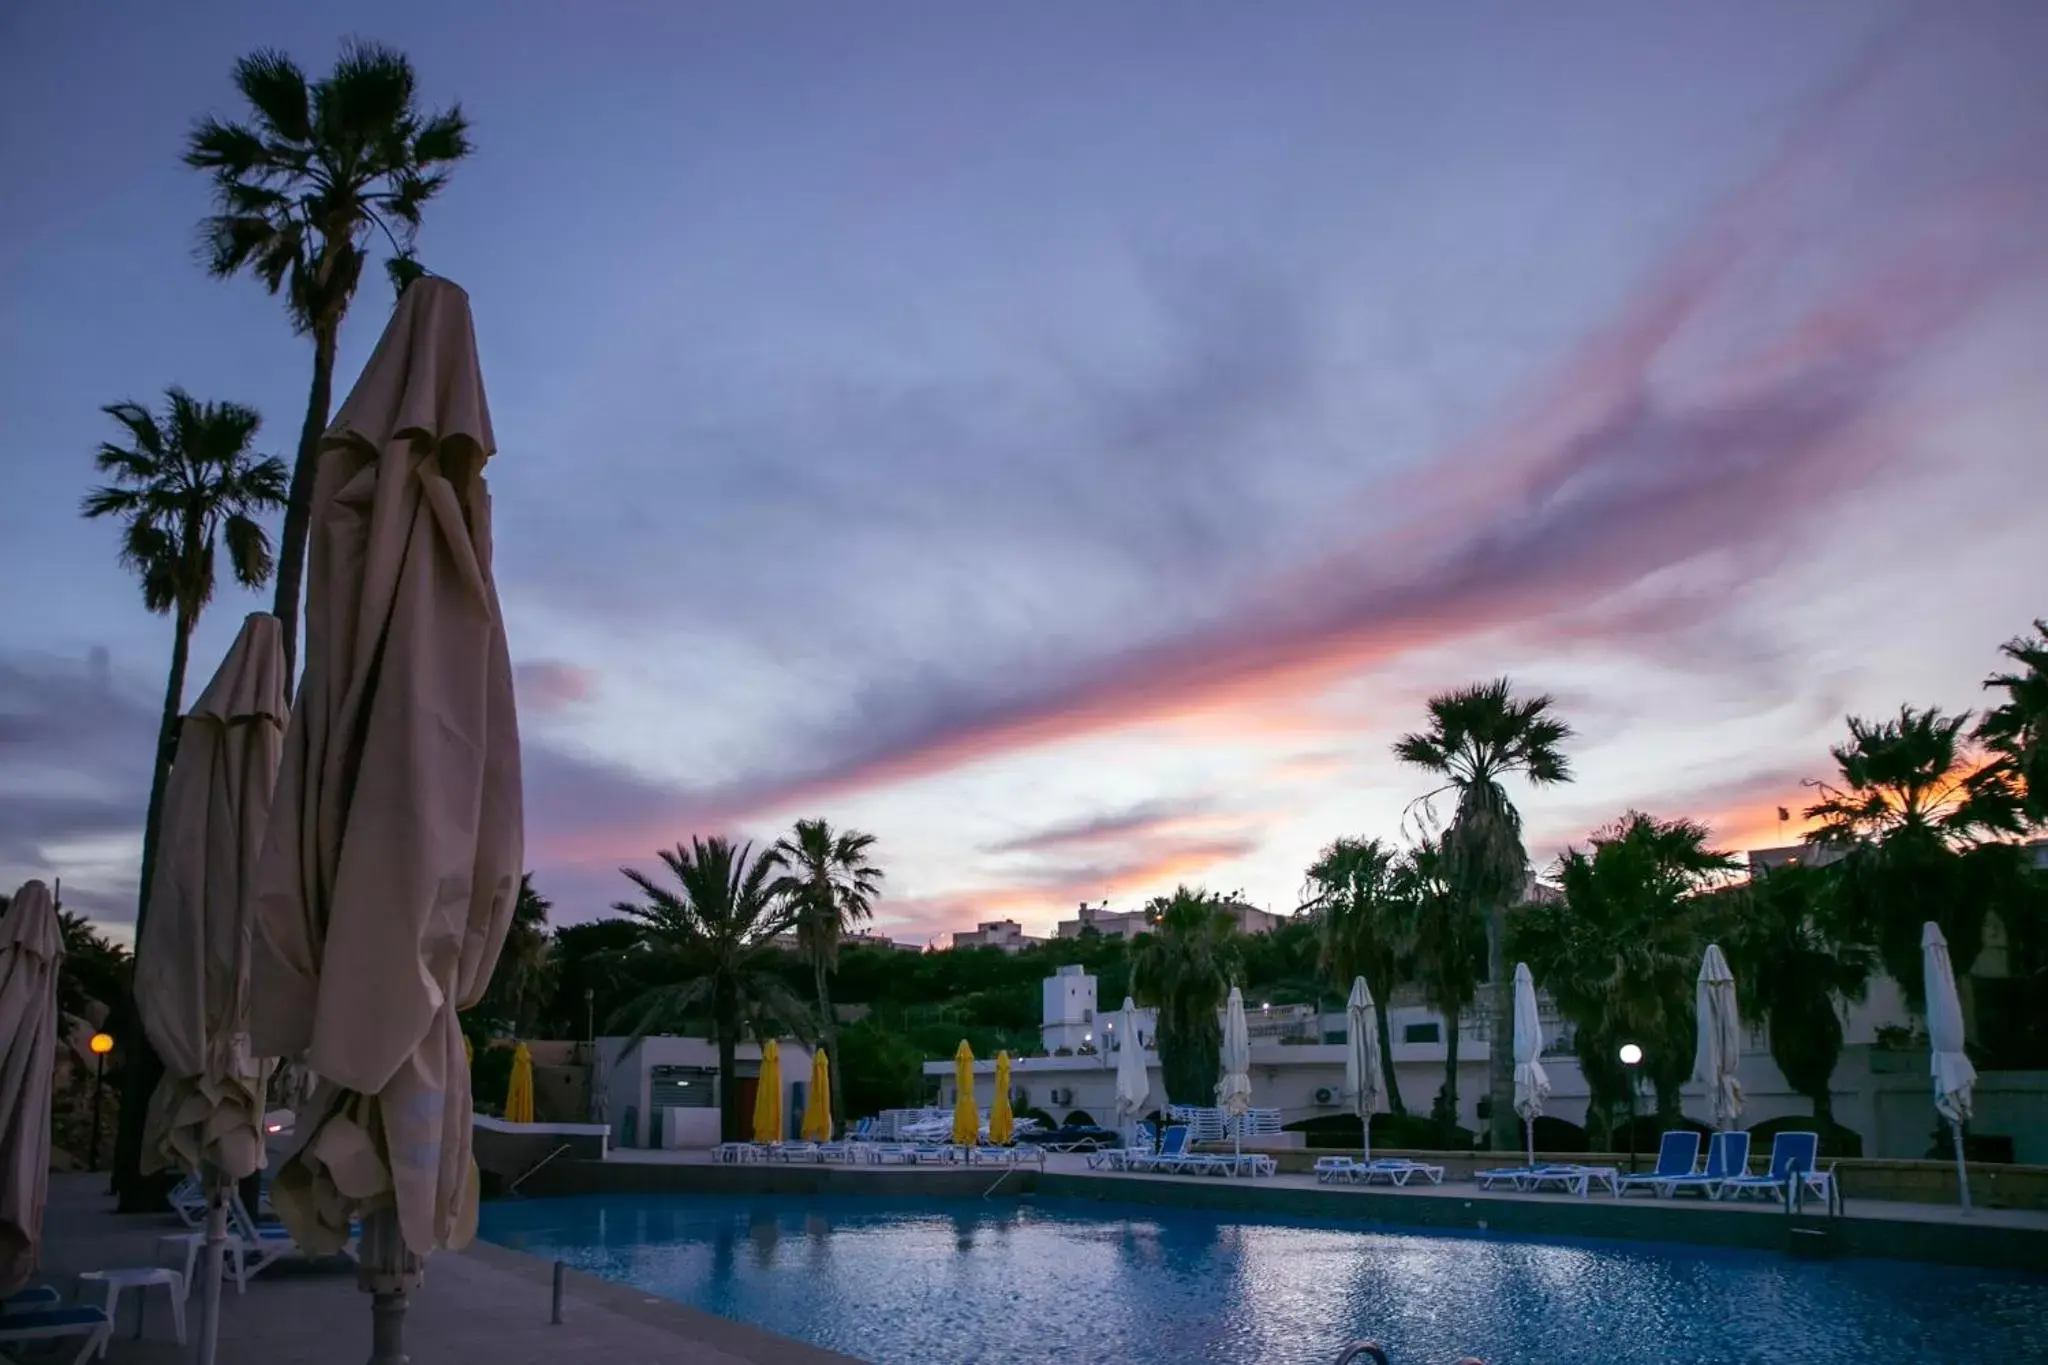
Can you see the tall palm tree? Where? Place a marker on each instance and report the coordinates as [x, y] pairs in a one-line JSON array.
[[1796, 959], [1621, 950], [1918, 815], [182, 486], [298, 191], [833, 887], [1449, 938], [710, 950], [2016, 730], [1479, 736], [522, 983], [1182, 968], [1362, 923]]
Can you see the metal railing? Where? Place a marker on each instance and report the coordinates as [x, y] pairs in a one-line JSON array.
[[1372, 1351], [520, 1179]]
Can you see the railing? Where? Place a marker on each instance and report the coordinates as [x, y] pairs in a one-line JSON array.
[[1374, 1352], [520, 1179]]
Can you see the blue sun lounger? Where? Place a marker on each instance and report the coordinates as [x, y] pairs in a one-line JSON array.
[[1727, 1157], [1678, 1154], [18, 1328], [1793, 1156]]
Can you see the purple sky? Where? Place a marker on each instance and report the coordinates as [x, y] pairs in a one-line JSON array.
[[1070, 440]]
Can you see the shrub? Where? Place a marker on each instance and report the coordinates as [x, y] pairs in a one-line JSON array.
[[1411, 1131], [1836, 1143]]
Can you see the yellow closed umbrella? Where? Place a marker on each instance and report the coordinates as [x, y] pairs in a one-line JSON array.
[[966, 1118], [519, 1094], [468, 1052], [818, 1102], [1000, 1120], [768, 1095]]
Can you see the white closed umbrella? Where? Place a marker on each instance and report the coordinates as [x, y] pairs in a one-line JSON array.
[[1234, 1090], [1954, 1076], [1532, 1082], [1133, 1086], [31, 947], [192, 964], [1363, 1082], [1717, 1053], [393, 855]]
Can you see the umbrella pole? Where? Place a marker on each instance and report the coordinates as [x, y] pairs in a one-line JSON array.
[[216, 1245], [1529, 1126], [1962, 1173], [385, 1270]]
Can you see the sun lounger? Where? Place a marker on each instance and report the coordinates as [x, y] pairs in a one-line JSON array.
[[1793, 1156], [1578, 1180], [34, 1299], [1727, 1155], [1678, 1154], [1514, 1177], [1173, 1151], [90, 1325]]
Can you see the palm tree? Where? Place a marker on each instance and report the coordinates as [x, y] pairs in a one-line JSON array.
[[1449, 938], [1362, 927], [2016, 730], [710, 949], [1477, 737], [182, 486], [298, 190], [1795, 960], [1917, 814], [833, 887], [1619, 953], [522, 983], [1182, 967]]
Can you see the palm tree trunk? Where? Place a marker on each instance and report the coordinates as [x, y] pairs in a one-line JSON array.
[[828, 1028], [1449, 1116], [142, 1070], [1500, 1056], [298, 508], [1394, 1105], [728, 1025]]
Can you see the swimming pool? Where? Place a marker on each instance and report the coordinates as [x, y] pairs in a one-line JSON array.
[[952, 1282]]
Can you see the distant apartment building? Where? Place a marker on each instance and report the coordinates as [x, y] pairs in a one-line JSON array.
[[1127, 924], [1006, 934], [867, 938], [1820, 855]]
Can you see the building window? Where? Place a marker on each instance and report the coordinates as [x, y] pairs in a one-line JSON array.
[[1422, 1033]]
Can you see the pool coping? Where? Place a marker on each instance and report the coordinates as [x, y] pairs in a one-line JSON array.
[[1983, 1243], [691, 1326]]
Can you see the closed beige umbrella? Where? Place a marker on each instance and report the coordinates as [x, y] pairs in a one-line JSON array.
[[392, 859], [31, 946], [192, 964]]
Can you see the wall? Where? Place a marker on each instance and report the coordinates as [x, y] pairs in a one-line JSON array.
[[630, 1077]]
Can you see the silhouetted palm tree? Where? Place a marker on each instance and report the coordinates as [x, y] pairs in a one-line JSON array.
[[522, 984], [1448, 934], [298, 191], [710, 947], [2016, 730], [1182, 968], [833, 886], [1621, 951], [1478, 736], [1363, 928]]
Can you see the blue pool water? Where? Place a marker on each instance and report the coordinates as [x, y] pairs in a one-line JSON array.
[[953, 1282]]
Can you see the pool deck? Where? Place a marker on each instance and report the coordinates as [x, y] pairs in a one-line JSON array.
[[487, 1304], [2006, 1239]]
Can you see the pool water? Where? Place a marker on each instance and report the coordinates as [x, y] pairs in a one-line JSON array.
[[953, 1282]]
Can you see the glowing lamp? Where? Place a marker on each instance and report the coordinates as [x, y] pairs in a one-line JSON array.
[[1630, 1054], [102, 1044]]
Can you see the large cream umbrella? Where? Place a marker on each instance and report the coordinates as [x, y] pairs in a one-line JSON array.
[[1234, 1089], [1718, 1049], [1363, 1084], [1955, 1077], [392, 859], [192, 964], [1133, 1086], [31, 947], [1532, 1082]]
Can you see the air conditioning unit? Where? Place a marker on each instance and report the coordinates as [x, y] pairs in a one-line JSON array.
[[1325, 1095], [1062, 1095]]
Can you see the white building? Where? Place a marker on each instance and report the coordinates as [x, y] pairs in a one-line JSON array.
[[663, 1092], [1298, 1068], [1006, 934], [1128, 924]]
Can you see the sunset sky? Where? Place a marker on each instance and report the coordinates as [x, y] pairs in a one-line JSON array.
[[1071, 440]]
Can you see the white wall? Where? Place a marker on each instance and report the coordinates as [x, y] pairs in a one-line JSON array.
[[631, 1080]]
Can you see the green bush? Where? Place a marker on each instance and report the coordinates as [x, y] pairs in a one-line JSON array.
[[1836, 1143], [490, 1076], [1409, 1131], [878, 1070]]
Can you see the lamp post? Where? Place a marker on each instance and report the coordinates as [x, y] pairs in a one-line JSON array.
[[1631, 1057], [101, 1045]]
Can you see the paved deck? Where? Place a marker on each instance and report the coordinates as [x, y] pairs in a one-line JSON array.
[[485, 1305]]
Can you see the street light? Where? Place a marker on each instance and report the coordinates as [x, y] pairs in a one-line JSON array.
[[101, 1045], [1631, 1057]]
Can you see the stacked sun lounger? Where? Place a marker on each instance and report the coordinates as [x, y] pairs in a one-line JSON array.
[[1397, 1171]]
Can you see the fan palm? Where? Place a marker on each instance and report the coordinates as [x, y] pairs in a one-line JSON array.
[[710, 951], [1362, 922], [522, 983], [1917, 815], [833, 886], [1182, 968], [1796, 960], [1449, 938], [2016, 730], [1620, 951], [298, 191], [1479, 736]]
